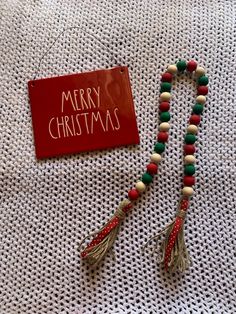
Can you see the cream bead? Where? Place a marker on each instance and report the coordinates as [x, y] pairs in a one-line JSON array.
[[201, 99], [165, 96], [172, 69], [155, 158], [164, 126], [200, 71], [189, 159], [187, 191], [140, 186], [192, 128]]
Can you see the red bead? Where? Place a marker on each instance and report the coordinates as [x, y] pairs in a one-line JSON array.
[[164, 106], [189, 180], [133, 194], [184, 204], [202, 90], [195, 119], [152, 168], [189, 149], [162, 137], [191, 66], [167, 77]]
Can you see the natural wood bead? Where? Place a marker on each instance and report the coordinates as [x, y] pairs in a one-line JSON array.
[[201, 99], [187, 191], [155, 158], [192, 128], [140, 186], [164, 126], [172, 69], [165, 96], [200, 71], [189, 159]]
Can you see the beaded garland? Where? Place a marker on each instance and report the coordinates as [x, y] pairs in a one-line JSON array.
[[173, 249]]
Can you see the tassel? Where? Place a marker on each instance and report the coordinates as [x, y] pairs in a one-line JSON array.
[[174, 255], [105, 237]]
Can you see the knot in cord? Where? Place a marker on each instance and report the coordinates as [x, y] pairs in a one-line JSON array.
[[181, 213], [120, 213]]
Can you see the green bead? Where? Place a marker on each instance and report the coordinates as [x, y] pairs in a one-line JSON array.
[[203, 80], [198, 108], [165, 87], [190, 138], [181, 65], [147, 178], [159, 147], [165, 116], [189, 169]]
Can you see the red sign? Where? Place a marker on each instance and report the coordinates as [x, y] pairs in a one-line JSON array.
[[82, 112]]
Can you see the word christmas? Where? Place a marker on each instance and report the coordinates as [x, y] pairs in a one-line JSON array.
[[85, 114]]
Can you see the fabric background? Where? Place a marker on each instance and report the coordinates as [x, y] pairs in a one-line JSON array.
[[48, 206]]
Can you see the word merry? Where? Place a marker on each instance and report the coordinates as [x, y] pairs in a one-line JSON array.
[[81, 99]]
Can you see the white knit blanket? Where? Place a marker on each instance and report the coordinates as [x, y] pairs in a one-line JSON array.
[[47, 207]]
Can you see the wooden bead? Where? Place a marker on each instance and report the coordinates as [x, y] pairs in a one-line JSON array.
[[165, 87], [195, 119], [202, 90], [181, 65], [147, 178], [133, 194], [192, 128], [201, 99], [198, 108], [189, 169], [200, 71], [187, 191], [190, 138], [140, 187], [189, 149], [165, 96], [159, 147], [164, 126], [189, 159], [191, 66], [203, 80], [155, 158], [152, 168], [189, 180], [162, 137], [165, 116], [172, 69], [164, 106], [167, 77]]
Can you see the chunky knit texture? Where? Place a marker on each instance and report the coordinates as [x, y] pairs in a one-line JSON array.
[[47, 207]]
